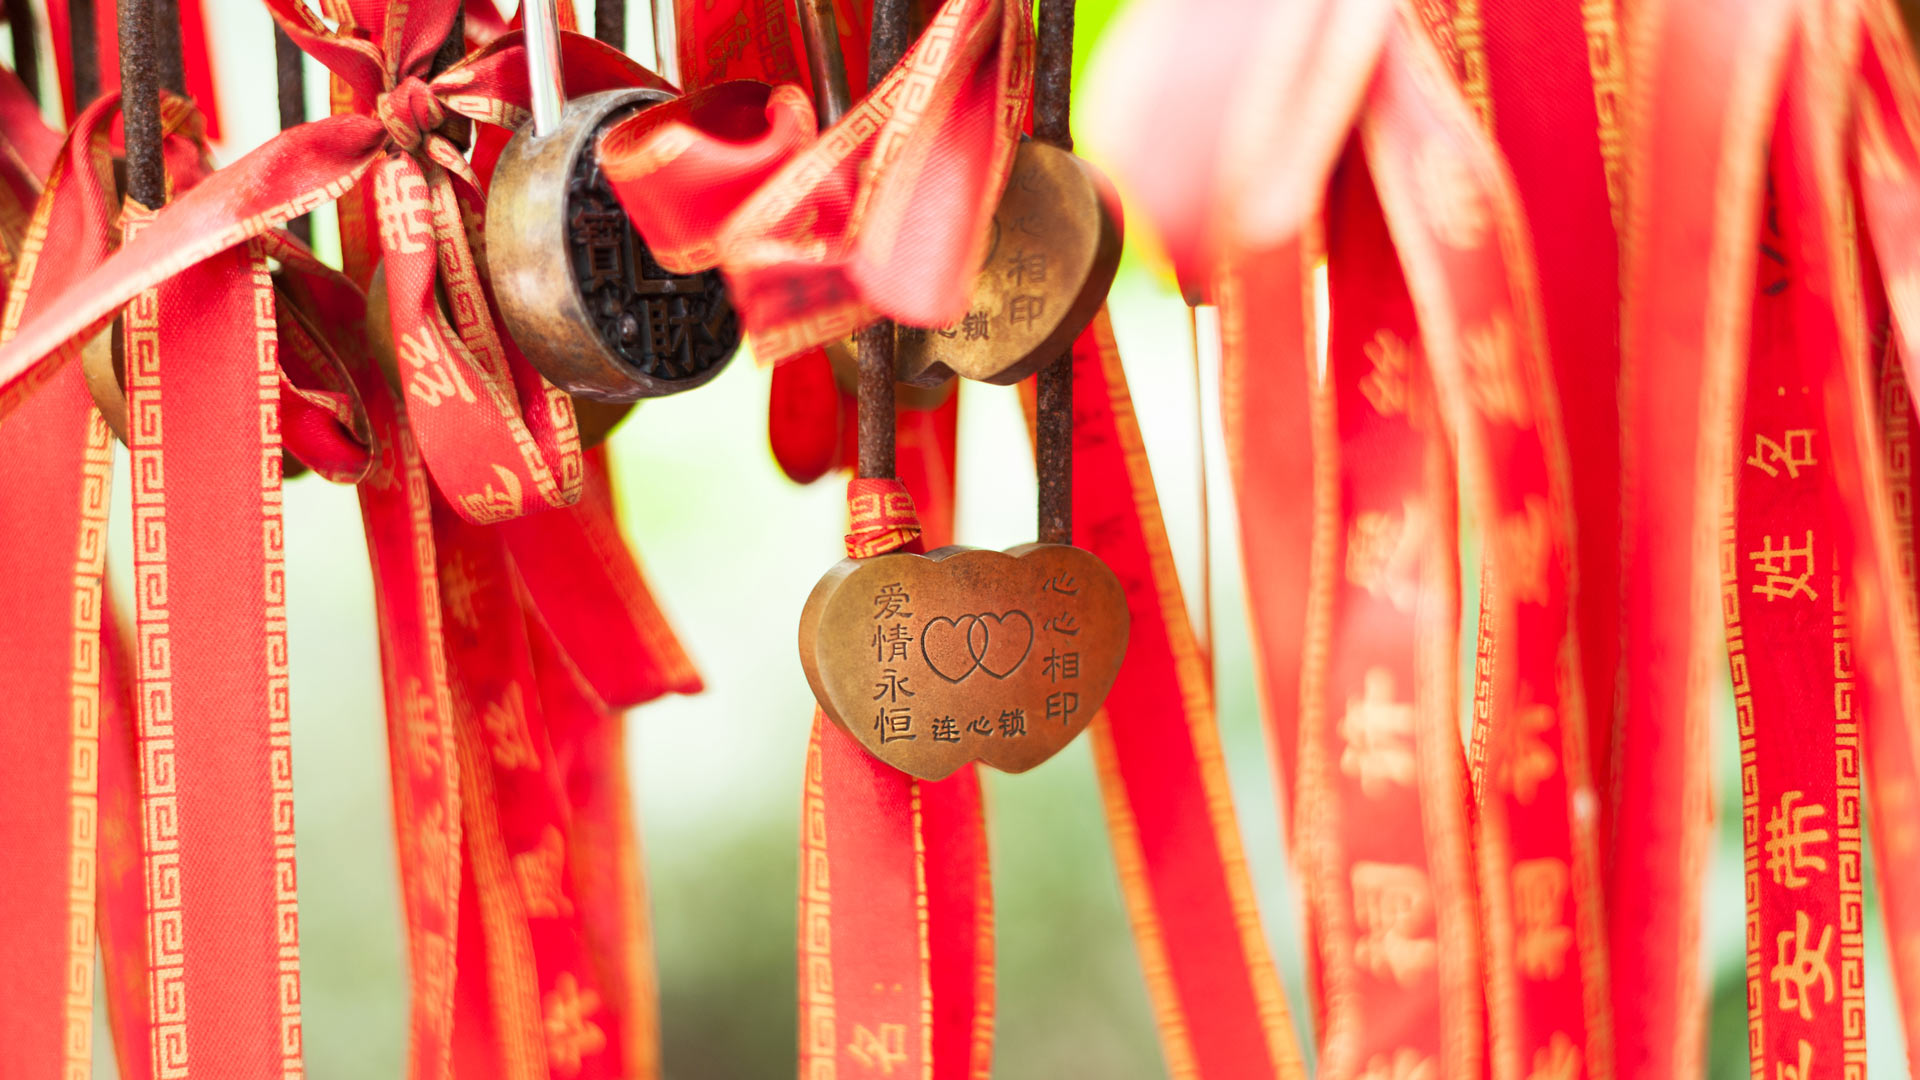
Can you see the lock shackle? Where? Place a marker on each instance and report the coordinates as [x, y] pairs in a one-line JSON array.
[[1053, 385], [547, 92], [831, 95]]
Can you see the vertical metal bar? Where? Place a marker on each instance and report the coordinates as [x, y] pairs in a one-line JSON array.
[[454, 46], [167, 48], [549, 95], [26, 44], [85, 45], [290, 71], [666, 40], [610, 23], [140, 104], [1053, 424], [831, 97], [885, 45]]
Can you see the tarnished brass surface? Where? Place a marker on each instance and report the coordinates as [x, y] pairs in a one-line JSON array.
[[580, 294], [931, 661], [846, 374], [1052, 257]]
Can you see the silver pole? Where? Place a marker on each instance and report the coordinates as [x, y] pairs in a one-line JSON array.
[[548, 93]]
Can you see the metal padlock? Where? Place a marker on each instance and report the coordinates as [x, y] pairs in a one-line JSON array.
[[581, 295], [1050, 260]]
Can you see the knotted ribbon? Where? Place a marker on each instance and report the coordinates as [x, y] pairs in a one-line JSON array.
[[886, 214]]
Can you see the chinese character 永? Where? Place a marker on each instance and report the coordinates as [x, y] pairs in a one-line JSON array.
[[891, 685]]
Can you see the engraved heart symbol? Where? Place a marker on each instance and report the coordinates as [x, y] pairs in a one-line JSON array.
[[1005, 641], [948, 651], [931, 661]]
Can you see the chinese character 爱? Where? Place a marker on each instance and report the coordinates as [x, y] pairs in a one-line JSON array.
[[892, 600]]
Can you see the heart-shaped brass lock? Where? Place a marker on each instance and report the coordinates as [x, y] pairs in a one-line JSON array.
[[932, 661], [1050, 261]]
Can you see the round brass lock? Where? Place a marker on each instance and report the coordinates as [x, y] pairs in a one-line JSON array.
[[1055, 247], [580, 293]]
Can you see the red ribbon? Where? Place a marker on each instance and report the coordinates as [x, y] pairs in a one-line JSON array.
[[885, 214]]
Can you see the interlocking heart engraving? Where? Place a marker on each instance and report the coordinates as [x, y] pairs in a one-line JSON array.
[[931, 661]]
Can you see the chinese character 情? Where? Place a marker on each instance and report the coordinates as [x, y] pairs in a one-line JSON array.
[[1788, 834], [894, 724], [1539, 894], [1794, 453], [1062, 665], [1379, 735], [1777, 564], [890, 643], [892, 600], [891, 686], [1796, 967], [1393, 914]]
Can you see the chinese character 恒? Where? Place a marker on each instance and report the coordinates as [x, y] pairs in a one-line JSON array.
[[894, 724]]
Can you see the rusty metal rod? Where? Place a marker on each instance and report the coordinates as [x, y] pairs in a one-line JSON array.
[[885, 45], [1053, 386], [290, 70], [610, 23], [26, 44], [83, 42], [166, 36], [140, 104]]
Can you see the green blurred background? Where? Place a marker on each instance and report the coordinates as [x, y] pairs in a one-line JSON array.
[[732, 549]]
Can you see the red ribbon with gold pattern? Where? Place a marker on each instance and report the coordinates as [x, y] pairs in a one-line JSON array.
[[885, 214]]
